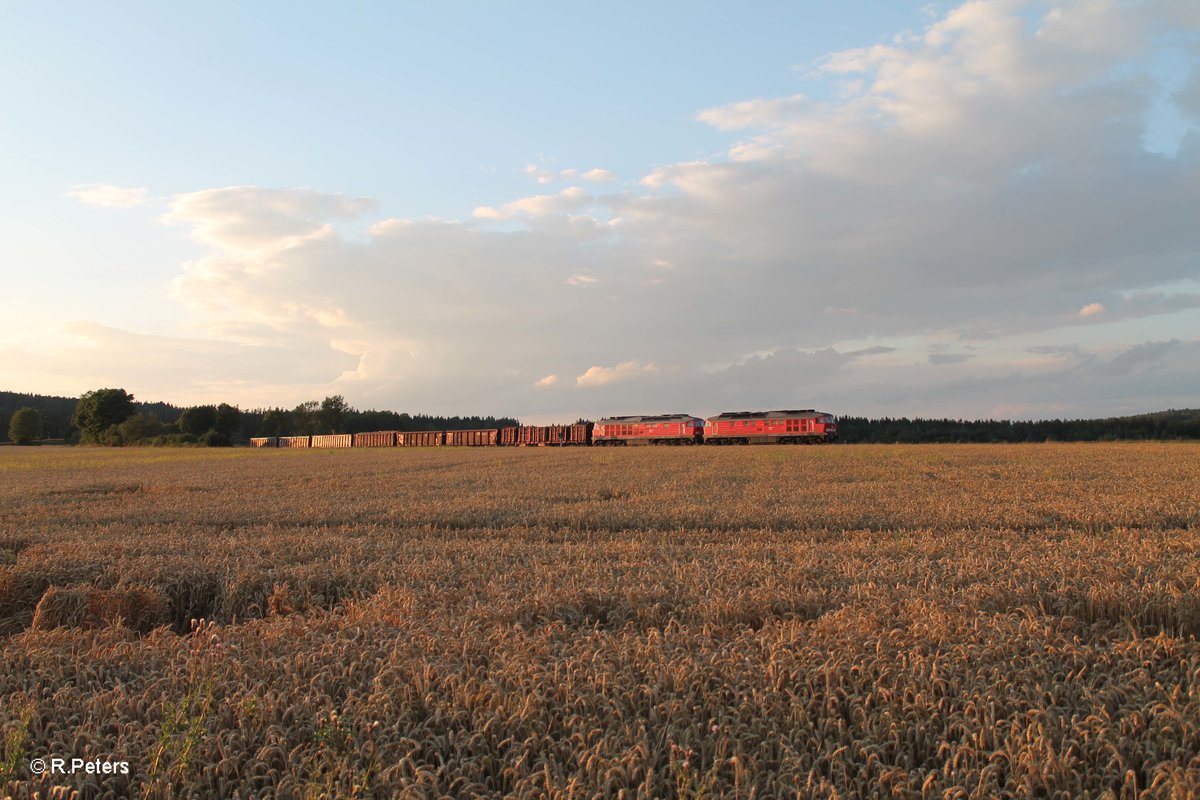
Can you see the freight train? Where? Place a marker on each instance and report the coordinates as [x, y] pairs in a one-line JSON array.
[[804, 426]]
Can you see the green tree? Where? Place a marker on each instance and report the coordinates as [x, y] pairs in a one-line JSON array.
[[332, 416], [304, 418], [277, 422], [25, 427], [99, 410], [197, 420], [229, 420], [141, 427]]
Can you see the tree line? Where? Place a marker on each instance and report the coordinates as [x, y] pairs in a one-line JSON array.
[[1173, 424], [113, 417]]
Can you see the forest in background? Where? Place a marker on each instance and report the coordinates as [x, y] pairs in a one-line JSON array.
[[158, 422], [163, 423]]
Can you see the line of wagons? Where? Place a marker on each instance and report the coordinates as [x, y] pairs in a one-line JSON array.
[[804, 426]]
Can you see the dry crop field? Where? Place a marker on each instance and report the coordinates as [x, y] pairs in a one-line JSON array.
[[846, 621]]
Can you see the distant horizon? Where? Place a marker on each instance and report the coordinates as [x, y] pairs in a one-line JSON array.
[[562, 418], [951, 209]]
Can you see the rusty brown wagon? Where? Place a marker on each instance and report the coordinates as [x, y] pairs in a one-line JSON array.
[[333, 440], [264, 441], [375, 439], [419, 439], [477, 438], [547, 435], [294, 441]]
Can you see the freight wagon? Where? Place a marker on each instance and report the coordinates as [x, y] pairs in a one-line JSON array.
[[479, 438], [375, 439], [547, 435], [293, 441], [659, 429], [264, 441], [804, 426], [419, 438], [333, 440]]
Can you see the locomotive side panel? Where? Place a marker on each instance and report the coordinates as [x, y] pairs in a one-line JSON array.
[[771, 427], [660, 429]]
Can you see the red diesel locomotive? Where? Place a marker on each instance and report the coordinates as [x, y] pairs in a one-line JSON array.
[[659, 429], [804, 426]]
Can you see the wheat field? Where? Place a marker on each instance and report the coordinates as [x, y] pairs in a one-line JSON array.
[[757, 622]]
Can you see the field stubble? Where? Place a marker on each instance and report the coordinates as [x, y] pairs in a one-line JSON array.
[[926, 621]]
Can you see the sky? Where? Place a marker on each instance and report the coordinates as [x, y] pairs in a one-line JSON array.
[[552, 211]]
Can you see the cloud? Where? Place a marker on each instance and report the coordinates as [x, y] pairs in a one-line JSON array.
[[758, 113], [1091, 310], [73, 357], [549, 380], [544, 176], [569, 199], [968, 181], [104, 195], [1142, 357], [874, 350], [251, 218], [598, 175], [949, 358], [598, 376]]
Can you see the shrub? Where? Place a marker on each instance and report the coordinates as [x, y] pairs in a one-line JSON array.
[[25, 427], [215, 439]]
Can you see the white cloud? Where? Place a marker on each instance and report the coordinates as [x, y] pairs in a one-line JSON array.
[[549, 380], [569, 199], [1091, 310], [598, 175], [104, 195], [544, 176], [251, 218], [978, 177], [599, 376], [758, 113]]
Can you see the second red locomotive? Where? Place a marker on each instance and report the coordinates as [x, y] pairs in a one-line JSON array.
[[658, 429], [804, 426]]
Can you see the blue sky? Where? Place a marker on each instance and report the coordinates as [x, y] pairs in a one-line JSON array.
[[457, 118]]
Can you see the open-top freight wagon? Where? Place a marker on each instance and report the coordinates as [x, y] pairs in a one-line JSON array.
[[375, 439], [420, 438], [479, 438], [333, 440], [294, 441], [804, 426], [546, 435]]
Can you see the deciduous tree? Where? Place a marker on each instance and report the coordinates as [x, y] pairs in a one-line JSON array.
[[25, 427], [99, 410]]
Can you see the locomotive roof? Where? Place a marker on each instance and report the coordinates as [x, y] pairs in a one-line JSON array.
[[804, 413], [645, 418]]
